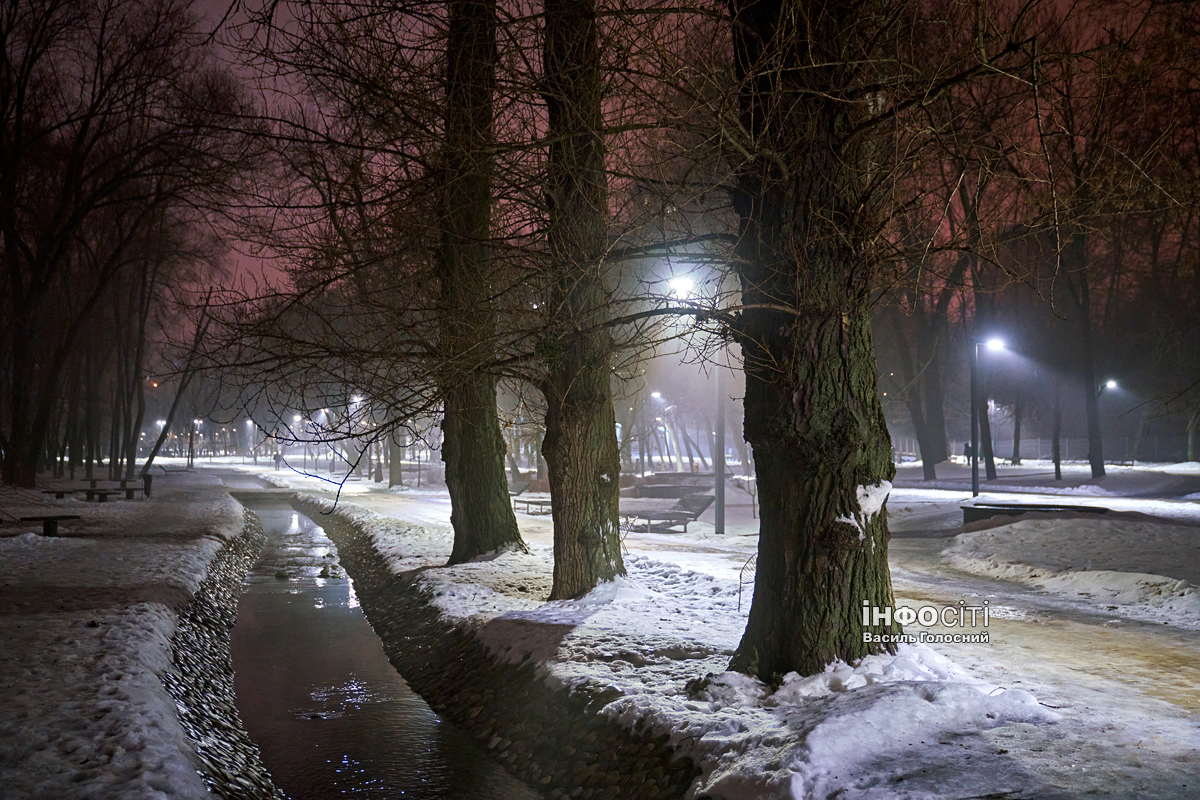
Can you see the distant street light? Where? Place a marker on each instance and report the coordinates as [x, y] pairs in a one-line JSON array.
[[994, 345]]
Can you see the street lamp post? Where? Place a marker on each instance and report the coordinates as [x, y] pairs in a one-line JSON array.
[[992, 344]]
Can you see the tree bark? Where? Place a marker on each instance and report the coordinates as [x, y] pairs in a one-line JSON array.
[[580, 447], [473, 447], [1017, 413], [1076, 255], [1193, 435], [986, 452], [813, 412]]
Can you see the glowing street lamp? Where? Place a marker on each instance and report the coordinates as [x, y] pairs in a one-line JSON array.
[[995, 345]]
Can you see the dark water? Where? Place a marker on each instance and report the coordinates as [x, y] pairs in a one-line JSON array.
[[318, 696]]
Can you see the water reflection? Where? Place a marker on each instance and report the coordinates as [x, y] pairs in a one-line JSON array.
[[318, 696]]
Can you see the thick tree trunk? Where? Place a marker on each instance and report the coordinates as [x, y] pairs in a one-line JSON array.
[[1017, 413], [1193, 436], [1092, 407], [932, 350], [473, 451], [395, 462], [1076, 255], [473, 443], [929, 418], [580, 446], [812, 408], [986, 452]]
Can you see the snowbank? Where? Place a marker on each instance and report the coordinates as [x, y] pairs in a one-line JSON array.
[[1134, 568]]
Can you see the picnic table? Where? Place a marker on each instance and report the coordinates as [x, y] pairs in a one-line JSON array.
[[50, 521]]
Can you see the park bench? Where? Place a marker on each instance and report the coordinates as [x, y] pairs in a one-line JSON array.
[[980, 511], [101, 495], [542, 505], [674, 484], [50, 522], [685, 511]]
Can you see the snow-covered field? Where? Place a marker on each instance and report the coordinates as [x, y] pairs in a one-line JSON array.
[[87, 627], [87, 621]]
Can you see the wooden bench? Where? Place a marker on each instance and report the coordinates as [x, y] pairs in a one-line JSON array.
[[59, 493], [101, 495], [685, 511], [988, 510], [542, 505], [674, 484], [50, 522]]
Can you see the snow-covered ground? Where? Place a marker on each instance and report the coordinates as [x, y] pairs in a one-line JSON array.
[[644, 636], [87, 620], [1054, 705], [1136, 568], [912, 725]]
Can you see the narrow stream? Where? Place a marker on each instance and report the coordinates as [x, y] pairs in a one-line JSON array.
[[319, 697]]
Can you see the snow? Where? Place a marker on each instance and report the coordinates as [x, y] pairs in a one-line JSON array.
[[870, 502], [1052, 704], [643, 637], [87, 621], [1138, 569], [84, 710]]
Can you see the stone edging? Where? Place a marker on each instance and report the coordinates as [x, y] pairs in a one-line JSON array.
[[554, 740], [200, 679]]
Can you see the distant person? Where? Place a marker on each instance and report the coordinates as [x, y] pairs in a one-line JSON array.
[[967, 450], [278, 461]]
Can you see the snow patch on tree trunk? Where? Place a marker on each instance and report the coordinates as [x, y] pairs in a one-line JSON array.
[[870, 500]]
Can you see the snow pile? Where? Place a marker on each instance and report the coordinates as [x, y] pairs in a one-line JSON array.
[[837, 734], [910, 720], [1139, 569]]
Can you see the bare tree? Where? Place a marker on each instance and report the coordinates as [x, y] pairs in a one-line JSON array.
[[104, 106]]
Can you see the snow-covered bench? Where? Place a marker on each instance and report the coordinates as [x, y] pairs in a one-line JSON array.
[[685, 510]]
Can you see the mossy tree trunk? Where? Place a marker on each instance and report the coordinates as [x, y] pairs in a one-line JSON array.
[[580, 446], [473, 447], [813, 413]]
